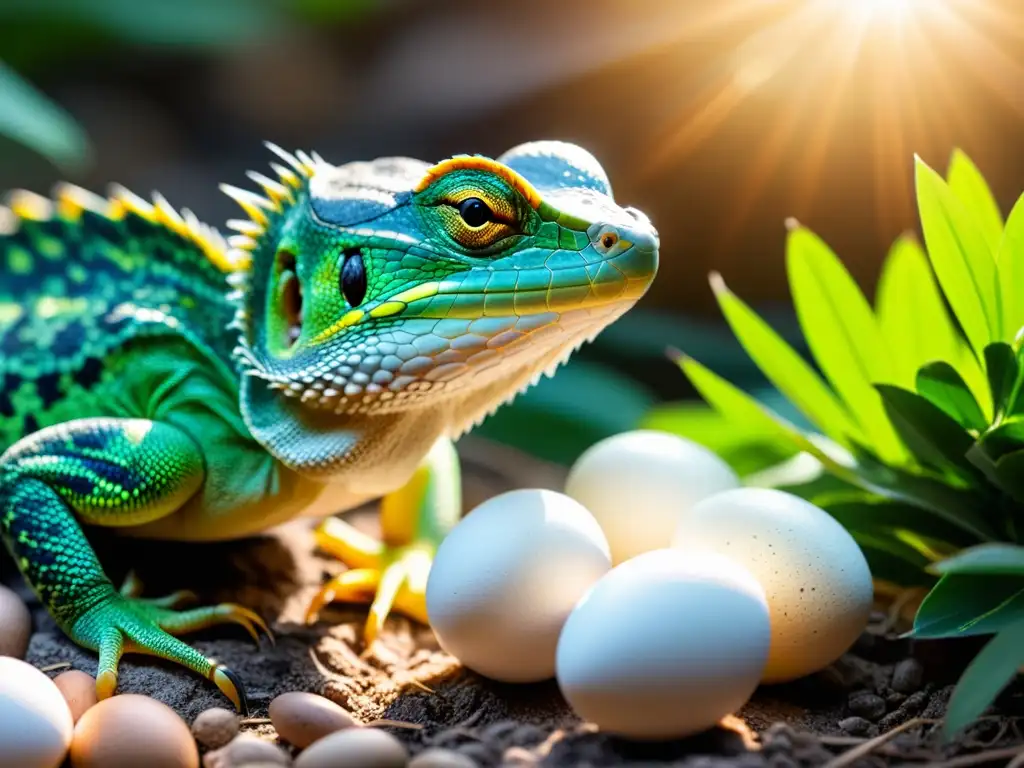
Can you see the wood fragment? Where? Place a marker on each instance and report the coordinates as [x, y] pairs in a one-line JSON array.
[[869, 746]]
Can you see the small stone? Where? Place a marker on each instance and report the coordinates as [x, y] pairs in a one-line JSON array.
[[908, 676], [441, 758], [855, 726], [355, 748], [528, 735], [867, 705], [244, 750], [480, 754], [215, 727], [302, 718]]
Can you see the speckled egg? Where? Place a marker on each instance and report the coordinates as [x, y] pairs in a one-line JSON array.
[[639, 484], [815, 577], [15, 624], [664, 646], [128, 731], [35, 723], [506, 577]]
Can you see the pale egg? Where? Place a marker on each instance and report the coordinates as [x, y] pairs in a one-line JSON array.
[[638, 484], [665, 646], [35, 722], [506, 577], [815, 577]]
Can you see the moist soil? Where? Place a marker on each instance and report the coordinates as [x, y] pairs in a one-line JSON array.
[[880, 704]]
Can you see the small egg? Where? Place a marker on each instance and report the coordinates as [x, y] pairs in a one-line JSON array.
[[302, 718], [506, 577], [435, 757], [129, 730], [355, 748], [78, 689], [815, 577], [665, 646], [15, 624], [639, 484], [35, 722], [246, 750], [215, 727]]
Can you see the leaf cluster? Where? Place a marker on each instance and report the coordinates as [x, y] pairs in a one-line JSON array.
[[917, 407]]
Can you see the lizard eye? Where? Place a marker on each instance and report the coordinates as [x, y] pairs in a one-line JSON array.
[[475, 212], [353, 278]]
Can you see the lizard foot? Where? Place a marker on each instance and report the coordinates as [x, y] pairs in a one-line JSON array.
[[120, 624], [385, 577]]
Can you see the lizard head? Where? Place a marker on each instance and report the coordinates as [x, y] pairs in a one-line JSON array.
[[395, 297]]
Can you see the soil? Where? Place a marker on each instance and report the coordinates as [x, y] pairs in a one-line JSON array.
[[878, 705]]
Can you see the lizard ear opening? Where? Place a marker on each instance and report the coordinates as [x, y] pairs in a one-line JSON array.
[[286, 309]]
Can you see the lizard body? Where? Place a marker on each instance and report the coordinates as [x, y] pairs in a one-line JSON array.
[[161, 379]]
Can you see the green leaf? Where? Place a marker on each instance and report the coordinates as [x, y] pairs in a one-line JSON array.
[[935, 439], [1010, 261], [785, 368], [1003, 372], [875, 514], [1009, 474], [945, 388], [31, 119], [996, 557], [843, 334], [961, 259], [970, 187], [911, 312], [963, 605], [995, 667]]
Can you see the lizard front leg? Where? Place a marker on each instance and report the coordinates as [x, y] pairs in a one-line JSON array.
[[110, 472], [393, 572]]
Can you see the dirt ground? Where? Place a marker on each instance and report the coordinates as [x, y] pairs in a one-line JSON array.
[[877, 706]]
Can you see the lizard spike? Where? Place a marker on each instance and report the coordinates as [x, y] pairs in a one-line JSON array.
[[245, 227], [30, 206], [242, 242], [318, 159], [288, 157], [307, 162], [73, 200], [238, 279], [235, 296], [129, 201], [251, 203], [167, 216], [275, 191], [288, 177]]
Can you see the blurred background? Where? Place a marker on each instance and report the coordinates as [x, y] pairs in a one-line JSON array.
[[719, 118]]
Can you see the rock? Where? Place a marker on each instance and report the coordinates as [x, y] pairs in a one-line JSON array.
[[355, 748], [855, 726], [246, 750], [215, 727], [441, 758], [908, 676], [867, 705], [302, 718], [78, 689], [15, 624]]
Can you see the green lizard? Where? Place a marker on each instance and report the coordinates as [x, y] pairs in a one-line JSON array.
[[161, 379]]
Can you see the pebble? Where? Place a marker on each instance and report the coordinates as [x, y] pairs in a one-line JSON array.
[[215, 727], [247, 750], [441, 758], [129, 730], [481, 754], [15, 624], [355, 748], [78, 689], [867, 705], [855, 726], [302, 718], [908, 676]]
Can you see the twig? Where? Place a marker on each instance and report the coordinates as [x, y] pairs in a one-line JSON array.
[[255, 721], [978, 758], [54, 667], [852, 755], [394, 724], [1017, 762]]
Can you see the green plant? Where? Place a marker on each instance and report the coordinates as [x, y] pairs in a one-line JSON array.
[[918, 413]]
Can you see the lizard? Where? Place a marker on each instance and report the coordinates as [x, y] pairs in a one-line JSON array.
[[168, 380]]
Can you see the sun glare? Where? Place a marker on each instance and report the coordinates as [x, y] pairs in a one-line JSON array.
[[807, 74]]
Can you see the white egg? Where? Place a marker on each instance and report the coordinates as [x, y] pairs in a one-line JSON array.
[[638, 484], [506, 577], [665, 646], [35, 722], [814, 575]]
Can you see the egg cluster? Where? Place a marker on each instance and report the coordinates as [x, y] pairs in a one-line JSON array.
[[656, 589]]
